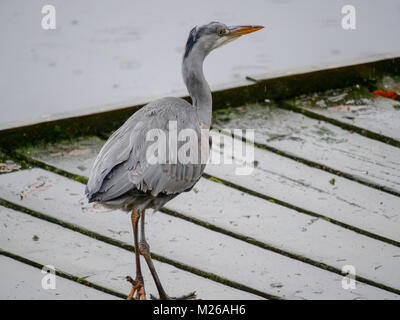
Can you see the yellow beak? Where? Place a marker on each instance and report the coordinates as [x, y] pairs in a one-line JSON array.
[[237, 31]]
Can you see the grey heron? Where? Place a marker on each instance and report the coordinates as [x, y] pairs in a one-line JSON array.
[[122, 175]]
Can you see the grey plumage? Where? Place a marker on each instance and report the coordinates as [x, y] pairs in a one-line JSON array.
[[124, 174], [121, 175]]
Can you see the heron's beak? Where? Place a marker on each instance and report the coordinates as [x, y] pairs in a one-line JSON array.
[[237, 31]]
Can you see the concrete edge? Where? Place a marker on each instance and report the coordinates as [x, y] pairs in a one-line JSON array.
[[282, 85]]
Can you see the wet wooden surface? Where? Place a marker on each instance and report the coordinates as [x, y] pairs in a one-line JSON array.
[[274, 176], [312, 190], [94, 260], [355, 107], [318, 141], [24, 282], [222, 252], [319, 198]]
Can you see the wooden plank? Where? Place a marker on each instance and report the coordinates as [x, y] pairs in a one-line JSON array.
[[355, 106], [278, 226], [176, 238], [287, 229], [266, 222], [274, 176], [75, 155], [311, 189], [318, 141], [291, 231], [96, 261], [24, 282]]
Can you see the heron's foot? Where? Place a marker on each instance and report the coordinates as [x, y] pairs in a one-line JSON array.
[[190, 296], [137, 287]]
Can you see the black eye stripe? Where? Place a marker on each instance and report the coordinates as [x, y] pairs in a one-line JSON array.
[[193, 36]]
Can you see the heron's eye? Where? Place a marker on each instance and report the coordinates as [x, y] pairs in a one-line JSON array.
[[221, 32]]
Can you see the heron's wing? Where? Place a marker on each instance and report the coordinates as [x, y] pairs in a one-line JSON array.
[[125, 165]]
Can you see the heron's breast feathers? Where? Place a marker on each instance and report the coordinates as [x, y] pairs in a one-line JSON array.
[[123, 163]]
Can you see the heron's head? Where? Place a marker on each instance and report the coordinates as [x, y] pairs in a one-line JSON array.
[[206, 38]]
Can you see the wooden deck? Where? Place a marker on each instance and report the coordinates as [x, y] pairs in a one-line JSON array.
[[325, 193]]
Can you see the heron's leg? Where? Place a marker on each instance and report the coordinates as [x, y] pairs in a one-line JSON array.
[[137, 284], [145, 251]]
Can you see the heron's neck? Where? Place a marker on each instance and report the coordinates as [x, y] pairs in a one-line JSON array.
[[199, 91]]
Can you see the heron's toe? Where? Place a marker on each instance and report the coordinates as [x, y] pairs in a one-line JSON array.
[[138, 288]]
